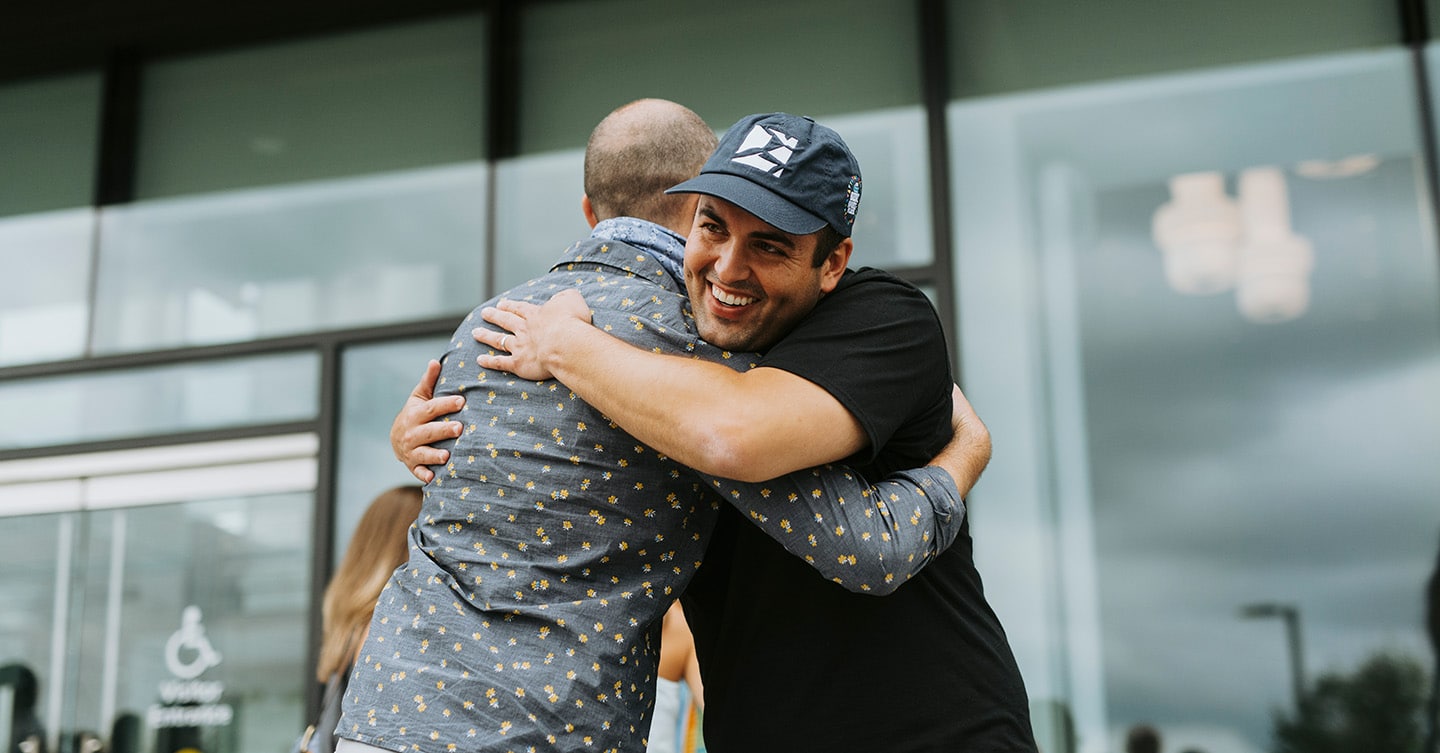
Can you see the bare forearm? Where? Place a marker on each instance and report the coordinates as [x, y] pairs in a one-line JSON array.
[[964, 459], [968, 451], [749, 425], [682, 407]]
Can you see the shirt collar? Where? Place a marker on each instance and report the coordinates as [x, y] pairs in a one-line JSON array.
[[662, 243]]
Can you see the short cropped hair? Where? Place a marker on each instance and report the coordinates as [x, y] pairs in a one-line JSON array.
[[639, 151]]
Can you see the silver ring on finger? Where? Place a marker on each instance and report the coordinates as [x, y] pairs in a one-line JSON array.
[[503, 340]]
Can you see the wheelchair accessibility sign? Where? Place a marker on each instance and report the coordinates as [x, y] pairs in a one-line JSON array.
[[188, 653], [187, 700]]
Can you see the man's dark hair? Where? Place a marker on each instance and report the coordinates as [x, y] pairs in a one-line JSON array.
[[826, 240], [637, 152]]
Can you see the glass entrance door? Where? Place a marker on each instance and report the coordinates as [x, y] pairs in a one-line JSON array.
[[158, 609]]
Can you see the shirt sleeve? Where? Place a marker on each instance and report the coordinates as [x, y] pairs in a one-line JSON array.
[[877, 346], [867, 537]]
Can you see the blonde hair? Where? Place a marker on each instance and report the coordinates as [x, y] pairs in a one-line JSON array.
[[378, 546]]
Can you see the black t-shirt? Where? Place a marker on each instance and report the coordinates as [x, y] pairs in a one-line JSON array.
[[792, 662]]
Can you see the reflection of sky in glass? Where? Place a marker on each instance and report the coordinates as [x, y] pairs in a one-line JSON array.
[[255, 263], [376, 381], [537, 213], [159, 400], [43, 311], [1235, 463], [892, 228]]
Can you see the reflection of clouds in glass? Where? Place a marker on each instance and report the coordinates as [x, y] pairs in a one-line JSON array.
[[260, 262], [1233, 464], [43, 306], [180, 397]]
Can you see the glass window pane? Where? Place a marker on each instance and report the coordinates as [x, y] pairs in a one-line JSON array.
[[1174, 457], [259, 263], [374, 382], [167, 399], [847, 55], [892, 228], [537, 213], [372, 101], [45, 293], [48, 139], [1001, 45]]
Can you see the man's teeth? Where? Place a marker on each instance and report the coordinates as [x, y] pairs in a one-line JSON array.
[[730, 300]]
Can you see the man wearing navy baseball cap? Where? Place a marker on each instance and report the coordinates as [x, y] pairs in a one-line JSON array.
[[852, 368], [798, 178]]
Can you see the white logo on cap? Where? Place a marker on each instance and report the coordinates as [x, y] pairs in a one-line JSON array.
[[766, 149]]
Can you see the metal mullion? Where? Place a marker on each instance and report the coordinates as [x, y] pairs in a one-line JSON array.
[[502, 113], [935, 91], [429, 327], [322, 524], [114, 163], [1415, 33], [119, 129], [161, 440]]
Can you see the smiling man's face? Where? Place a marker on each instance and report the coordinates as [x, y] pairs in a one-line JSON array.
[[749, 282]]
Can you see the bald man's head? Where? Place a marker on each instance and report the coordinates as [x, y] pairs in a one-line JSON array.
[[637, 152]]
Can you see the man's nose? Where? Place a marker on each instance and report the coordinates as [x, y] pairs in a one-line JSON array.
[[730, 263]]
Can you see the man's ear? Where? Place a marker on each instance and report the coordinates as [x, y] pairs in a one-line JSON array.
[[588, 210], [834, 265]]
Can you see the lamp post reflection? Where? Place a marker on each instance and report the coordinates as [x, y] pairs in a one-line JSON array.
[[1291, 615]]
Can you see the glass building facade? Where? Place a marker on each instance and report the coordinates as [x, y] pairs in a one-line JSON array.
[[1186, 253]]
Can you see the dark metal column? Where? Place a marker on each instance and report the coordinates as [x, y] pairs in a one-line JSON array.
[[502, 113], [935, 85]]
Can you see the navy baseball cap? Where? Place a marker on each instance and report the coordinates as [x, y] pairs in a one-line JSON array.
[[787, 170]]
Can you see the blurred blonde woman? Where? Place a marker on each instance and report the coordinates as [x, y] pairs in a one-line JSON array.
[[378, 546]]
